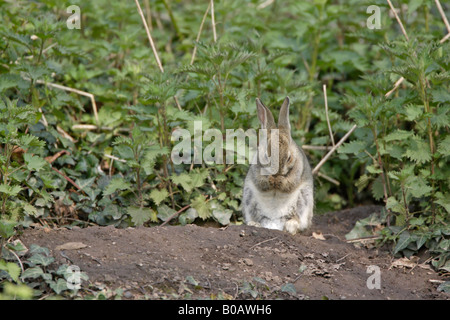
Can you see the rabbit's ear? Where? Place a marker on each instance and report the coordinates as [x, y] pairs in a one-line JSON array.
[[264, 115], [283, 119]]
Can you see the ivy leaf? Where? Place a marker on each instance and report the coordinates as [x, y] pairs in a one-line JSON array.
[[188, 216], [32, 273], [39, 259], [403, 241], [444, 287], [158, 195], [116, 184], [289, 288], [140, 215], [84, 183], [11, 268], [222, 215], [164, 212], [58, 286]]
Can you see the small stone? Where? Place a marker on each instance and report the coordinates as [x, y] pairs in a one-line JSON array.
[[248, 262]]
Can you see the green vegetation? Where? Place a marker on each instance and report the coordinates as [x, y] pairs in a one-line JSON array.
[[65, 160]]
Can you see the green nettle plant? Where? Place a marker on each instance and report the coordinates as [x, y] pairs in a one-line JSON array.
[[20, 160], [405, 143]]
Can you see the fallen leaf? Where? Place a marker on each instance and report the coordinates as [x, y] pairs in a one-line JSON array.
[[71, 246], [405, 262], [318, 236]]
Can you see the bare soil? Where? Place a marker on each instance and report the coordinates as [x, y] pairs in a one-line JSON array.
[[237, 262]]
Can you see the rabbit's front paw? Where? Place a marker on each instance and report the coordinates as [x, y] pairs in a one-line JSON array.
[[292, 226], [254, 224]]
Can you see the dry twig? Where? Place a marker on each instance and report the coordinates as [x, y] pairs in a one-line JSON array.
[[213, 21], [441, 11], [324, 159], [150, 39], [398, 19], [82, 93], [326, 113], [194, 52]]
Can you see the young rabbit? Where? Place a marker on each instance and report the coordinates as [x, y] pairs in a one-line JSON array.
[[282, 199]]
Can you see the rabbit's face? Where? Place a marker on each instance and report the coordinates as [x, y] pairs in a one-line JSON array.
[[286, 156], [278, 155]]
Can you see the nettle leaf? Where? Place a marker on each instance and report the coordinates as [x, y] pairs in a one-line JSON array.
[[440, 95], [184, 180], [413, 112], [443, 200], [150, 156], [444, 146], [418, 187], [34, 163], [198, 177], [27, 141], [189, 181], [394, 205], [122, 140], [158, 195], [12, 191], [353, 147], [398, 135], [30, 210], [377, 189], [116, 184], [140, 215], [362, 182], [418, 150], [202, 207]]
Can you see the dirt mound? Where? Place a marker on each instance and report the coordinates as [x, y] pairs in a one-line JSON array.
[[178, 262]]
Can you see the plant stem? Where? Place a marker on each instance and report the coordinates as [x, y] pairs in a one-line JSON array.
[[380, 163], [428, 110], [172, 18]]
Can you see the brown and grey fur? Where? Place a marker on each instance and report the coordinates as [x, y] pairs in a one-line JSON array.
[[283, 200]]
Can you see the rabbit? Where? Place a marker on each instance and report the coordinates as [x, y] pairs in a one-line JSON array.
[[283, 200]]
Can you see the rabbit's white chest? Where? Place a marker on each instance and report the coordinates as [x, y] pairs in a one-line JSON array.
[[276, 205]]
